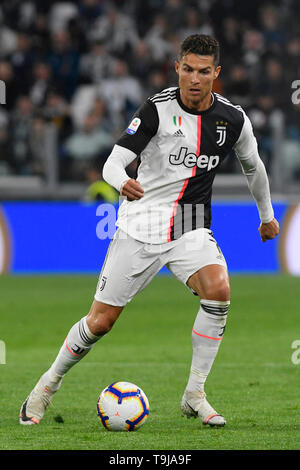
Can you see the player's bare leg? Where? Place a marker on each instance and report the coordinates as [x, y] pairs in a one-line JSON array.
[[79, 341], [102, 317], [211, 283]]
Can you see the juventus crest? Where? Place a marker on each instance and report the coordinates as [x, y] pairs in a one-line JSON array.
[[103, 282], [221, 132]]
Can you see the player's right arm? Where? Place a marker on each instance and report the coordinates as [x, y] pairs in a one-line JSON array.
[[132, 190], [132, 142], [114, 173]]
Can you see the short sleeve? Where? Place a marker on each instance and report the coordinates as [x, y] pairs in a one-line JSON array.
[[141, 129], [246, 144]]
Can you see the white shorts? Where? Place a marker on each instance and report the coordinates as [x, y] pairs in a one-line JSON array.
[[130, 265]]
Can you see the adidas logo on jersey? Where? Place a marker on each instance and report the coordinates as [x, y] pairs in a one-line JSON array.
[[178, 133]]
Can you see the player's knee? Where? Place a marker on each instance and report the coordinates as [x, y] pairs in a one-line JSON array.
[[218, 291], [101, 325], [102, 318]]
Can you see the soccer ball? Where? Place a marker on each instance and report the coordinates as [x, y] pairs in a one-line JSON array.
[[122, 406]]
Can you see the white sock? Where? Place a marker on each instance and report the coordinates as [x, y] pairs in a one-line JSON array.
[[207, 335], [77, 344]]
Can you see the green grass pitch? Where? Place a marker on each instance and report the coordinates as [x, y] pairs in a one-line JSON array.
[[253, 381]]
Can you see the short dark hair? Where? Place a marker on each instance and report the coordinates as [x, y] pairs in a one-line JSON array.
[[201, 44]]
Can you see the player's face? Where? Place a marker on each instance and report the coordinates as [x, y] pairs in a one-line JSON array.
[[196, 74]]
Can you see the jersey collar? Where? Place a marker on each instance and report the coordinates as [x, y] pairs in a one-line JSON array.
[[192, 111]]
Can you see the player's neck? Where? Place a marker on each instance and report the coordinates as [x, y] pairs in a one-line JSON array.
[[198, 106]]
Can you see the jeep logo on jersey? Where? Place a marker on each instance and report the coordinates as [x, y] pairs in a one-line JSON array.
[[191, 159]]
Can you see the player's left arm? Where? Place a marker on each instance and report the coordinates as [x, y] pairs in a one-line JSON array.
[[269, 230], [255, 172]]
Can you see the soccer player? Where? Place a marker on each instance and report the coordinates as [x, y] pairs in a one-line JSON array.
[[181, 136]]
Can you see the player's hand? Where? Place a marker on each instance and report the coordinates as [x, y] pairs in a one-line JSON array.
[[269, 231], [132, 190]]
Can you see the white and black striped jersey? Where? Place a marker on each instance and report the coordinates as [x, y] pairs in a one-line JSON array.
[[180, 151]]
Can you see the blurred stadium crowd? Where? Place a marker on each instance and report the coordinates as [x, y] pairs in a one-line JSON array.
[[86, 65]]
